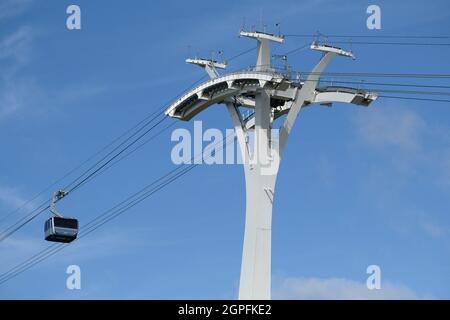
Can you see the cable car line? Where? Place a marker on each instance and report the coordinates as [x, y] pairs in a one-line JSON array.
[[378, 74], [304, 46], [368, 36], [12, 229], [40, 209], [18, 225], [299, 73], [70, 172], [98, 152], [241, 54], [363, 82], [434, 93], [78, 184], [141, 195], [392, 43], [104, 218], [6, 233], [133, 150], [412, 98], [111, 152], [30, 216], [52, 249], [37, 258]]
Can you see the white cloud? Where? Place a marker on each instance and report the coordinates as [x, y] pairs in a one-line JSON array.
[[16, 45], [20, 92], [12, 8], [10, 197], [16, 94], [337, 289], [391, 126], [326, 171], [99, 245], [14, 54], [14, 247], [432, 229], [402, 135], [18, 249], [443, 159]]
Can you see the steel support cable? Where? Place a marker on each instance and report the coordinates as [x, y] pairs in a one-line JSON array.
[[156, 114], [40, 209], [101, 219], [441, 44], [31, 216], [92, 224], [241, 54], [297, 49], [23, 221], [111, 143], [165, 176], [54, 249], [43, 207], [7, 233], [414, 98], [70, 172], [131, 151], [110, 153], [90, 175], [417, 92], [387, 84], [275, 69], [398, 97], [368, 36], [377, 74], [142, 194]]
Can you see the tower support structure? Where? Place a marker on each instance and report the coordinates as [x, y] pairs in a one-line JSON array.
[[270, 95]]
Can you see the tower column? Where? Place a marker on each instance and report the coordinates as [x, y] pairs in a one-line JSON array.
[[255, 280], [261, 167], [263, 55]]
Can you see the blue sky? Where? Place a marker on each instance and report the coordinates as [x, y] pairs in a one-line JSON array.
[[356, 186]]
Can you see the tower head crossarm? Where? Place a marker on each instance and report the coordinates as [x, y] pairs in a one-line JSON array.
[[210, 66], [263, 47], [308, 90]]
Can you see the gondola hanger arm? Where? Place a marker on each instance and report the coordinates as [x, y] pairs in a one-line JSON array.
[[58, 195]]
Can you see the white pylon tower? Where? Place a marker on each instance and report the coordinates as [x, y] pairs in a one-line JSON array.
[[270, 94]]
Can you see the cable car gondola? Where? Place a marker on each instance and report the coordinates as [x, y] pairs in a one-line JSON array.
[[59, 228]]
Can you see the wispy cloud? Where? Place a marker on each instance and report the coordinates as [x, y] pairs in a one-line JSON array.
[[12, 8], [99, 245], [19, 92], [337, 289], [15, 94], [433, 229], [391, 127], [16, 46], [444, 174], [400, 134], [10, 198], [15, 52]]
